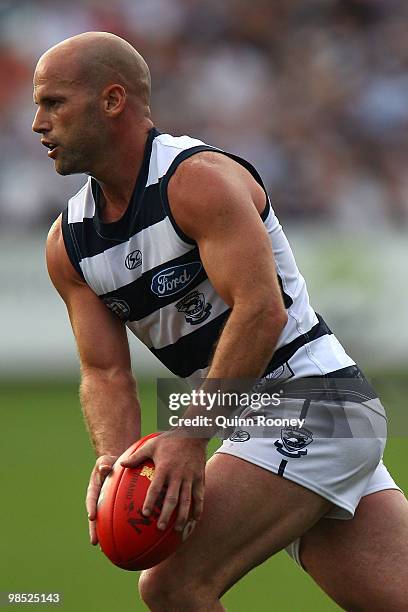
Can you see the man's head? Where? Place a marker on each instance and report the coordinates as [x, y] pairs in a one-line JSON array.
[[88, 89]]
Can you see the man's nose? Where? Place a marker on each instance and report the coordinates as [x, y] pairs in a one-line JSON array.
[[40, 124]]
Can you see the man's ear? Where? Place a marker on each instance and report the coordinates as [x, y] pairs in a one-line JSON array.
[[114, 100]]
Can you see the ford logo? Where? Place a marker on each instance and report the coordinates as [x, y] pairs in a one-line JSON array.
[[173, 280]]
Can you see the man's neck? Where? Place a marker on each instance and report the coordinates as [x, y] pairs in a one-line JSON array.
[[118, 176]]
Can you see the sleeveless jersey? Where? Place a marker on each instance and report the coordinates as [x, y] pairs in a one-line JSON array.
[[150, 275]]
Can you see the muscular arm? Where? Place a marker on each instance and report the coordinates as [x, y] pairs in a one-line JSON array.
[[217, 203], [108, 389]]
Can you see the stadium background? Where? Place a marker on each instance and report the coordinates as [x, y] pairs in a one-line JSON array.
[[315, 95]]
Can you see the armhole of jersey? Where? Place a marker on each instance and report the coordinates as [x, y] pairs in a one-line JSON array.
[[164, 182], [70, 244], [252, 170]]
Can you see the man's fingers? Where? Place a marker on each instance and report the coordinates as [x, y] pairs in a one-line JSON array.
[[179, 488], [198, 499], [171, 499], [91, 501], [101, 470], [92, 533], [92, 495], [153, 493], [98, 476], [184, 506], [104, 469], [136, 459]]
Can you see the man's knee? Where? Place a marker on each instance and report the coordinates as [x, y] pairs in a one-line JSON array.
[[161, 590], [150, 588], [158, 592]]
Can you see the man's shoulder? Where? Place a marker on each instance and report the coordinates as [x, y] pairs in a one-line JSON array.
[[54, 233], [177, 142], [168, 152], [193, 158], [190, 157], [55, 244], [61, 268]]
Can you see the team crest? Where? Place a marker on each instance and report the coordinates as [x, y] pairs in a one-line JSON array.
[[294, 441], [195, 308]]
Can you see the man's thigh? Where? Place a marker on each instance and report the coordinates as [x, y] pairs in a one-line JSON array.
[[363, 563], [249, 514]]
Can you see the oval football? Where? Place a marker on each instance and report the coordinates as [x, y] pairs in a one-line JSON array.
[[129, 539], [106, 504], [138, 541]]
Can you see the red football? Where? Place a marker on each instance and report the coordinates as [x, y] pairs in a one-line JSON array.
[[129, 539]]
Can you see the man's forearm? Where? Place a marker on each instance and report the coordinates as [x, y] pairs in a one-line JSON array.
[[247, 343], [245, 347], [111, 409]]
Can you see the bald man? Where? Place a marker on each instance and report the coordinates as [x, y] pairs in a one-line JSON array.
[[177, 241]]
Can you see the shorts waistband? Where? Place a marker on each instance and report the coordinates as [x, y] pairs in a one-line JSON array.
[[346, 384]]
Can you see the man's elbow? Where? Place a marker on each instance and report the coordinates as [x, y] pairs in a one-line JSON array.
[[269, 316], [113, 375], [277, 318]]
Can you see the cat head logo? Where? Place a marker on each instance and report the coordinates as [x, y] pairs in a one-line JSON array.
[[195, 308], [294, 441]]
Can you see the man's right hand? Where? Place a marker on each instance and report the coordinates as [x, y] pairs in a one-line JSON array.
[[103, 467]]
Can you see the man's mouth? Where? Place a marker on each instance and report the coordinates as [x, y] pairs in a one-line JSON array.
[[52, 148], [53, 152]]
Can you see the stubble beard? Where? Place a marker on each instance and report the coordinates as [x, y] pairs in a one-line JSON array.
[[80, 156], [71, 164], [77, 158]]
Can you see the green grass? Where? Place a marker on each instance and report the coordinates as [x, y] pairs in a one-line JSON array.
[[45, 463]]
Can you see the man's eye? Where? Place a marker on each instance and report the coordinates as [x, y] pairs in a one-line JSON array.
[[53, 103]]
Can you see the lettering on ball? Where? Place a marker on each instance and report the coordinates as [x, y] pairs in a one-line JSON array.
[[139, 521], [132, 485]]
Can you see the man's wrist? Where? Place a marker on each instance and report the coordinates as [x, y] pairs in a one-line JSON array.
[[115, 450], [200, 435]]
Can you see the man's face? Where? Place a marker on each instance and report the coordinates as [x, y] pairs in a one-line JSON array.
[[68, 118]]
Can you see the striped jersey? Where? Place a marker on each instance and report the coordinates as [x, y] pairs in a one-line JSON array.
[[150, 274]]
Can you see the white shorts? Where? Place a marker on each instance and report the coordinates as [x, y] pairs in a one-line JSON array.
[[337, 452], [379, 481]]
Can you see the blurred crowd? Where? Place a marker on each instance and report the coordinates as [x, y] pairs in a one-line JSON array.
[[313, 92]]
